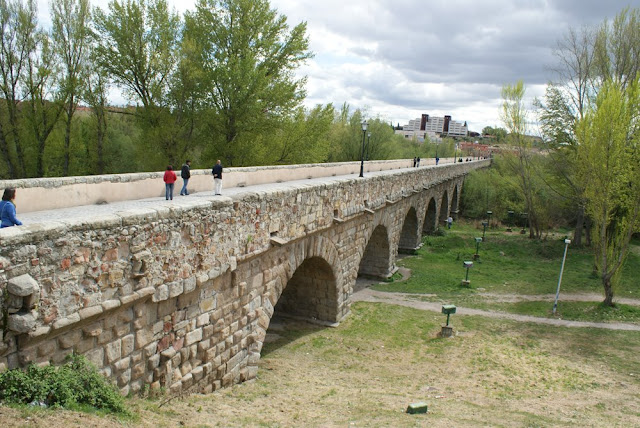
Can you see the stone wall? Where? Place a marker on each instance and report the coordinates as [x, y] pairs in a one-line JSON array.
[[39, 194], [181, 297]]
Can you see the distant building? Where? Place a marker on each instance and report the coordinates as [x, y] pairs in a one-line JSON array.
[[434, 128]]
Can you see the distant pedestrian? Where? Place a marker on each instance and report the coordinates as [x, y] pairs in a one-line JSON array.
[[437, 160], [415, 160], [418, 162], [185, 173], [8, 209], [169, 181], [449, 222], [216, 171]]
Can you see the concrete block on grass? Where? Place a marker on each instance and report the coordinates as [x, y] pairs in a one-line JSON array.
[[420, 407]]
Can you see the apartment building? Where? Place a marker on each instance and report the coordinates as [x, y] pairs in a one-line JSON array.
[[432, 127]]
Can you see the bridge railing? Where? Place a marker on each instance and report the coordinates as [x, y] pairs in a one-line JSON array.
[[40, 194]]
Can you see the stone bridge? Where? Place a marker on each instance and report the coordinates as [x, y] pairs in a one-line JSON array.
[[180, 296]]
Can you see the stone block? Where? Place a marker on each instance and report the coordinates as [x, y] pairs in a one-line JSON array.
[[23, 285], [194, 336], [46, 348], [113, 351], [95, 356], [176, 288], [161, 294], [21, 322], [189, 284], [128, 343], [122, 364], [68, 340], [143, 338]]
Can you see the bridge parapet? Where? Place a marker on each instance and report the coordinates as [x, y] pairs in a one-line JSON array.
[[87, 286]]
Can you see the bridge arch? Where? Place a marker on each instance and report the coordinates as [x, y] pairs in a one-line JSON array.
[[454, 200], [409, 234], [430, 224], [444, 208], [376, 255]]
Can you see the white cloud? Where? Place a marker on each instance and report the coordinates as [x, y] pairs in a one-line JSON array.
[[403, 58]]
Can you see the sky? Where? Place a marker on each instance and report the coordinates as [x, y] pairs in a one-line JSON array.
[[398, 59]]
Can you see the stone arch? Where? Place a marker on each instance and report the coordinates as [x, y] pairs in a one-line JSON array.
[[430, 224], [311, 292], [444, 208], [376, 256], [454, 201], [410, 234], [314, 257]]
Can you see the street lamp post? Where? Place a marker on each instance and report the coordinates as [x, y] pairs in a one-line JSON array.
[[364, 134], [555, 303], [484, 228], [368, 144], [476, 256]]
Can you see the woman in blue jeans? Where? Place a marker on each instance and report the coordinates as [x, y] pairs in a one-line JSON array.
[[8, 209]]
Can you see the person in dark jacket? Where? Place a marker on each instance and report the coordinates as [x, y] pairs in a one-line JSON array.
[[185, 173], [217, 177], [8, 209]]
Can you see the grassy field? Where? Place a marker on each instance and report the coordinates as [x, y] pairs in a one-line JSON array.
[[512, 264]]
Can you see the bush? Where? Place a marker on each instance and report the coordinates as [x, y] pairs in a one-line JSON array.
[[75, 385]]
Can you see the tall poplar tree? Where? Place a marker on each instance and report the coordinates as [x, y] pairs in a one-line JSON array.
[[609, 162], [248, 55]]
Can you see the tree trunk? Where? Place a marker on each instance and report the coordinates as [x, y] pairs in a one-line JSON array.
[[608, 291], [577, 233]]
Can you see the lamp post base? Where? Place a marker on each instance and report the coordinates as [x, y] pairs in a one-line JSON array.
[[466, 282], [446, 331]]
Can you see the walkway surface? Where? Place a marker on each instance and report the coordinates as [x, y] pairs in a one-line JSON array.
[[90, 211], [412, 301]]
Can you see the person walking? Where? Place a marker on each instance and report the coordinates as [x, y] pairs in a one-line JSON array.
[[449, 222], [185, 173], [8, 209], [216, 171], [169, 181], [418, 162]]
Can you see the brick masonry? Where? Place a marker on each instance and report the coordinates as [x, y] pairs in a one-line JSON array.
[[181, 298]]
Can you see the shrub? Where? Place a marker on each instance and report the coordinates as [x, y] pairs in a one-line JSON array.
[[74, 385]]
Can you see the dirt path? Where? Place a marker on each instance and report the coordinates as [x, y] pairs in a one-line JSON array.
[[408, 300], [412, 300]]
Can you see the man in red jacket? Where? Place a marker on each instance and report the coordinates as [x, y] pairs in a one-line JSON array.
[[169, 181]]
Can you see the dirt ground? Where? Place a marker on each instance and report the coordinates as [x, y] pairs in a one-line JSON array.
[[525, 377]]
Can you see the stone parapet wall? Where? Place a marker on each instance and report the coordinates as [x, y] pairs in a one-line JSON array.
[[39, 194], [180, 297]]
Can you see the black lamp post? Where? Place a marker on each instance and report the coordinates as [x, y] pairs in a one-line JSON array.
[[364, 134]]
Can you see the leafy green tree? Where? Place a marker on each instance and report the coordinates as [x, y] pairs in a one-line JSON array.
[[304, 138], [609, 159], [248, 56], [18, 34], [138, 46], [70, 36], [514, 116]]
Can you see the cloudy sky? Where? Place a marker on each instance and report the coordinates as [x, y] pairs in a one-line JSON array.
[[398, 59]]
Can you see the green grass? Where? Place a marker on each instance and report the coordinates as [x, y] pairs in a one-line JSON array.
[[511, 263]]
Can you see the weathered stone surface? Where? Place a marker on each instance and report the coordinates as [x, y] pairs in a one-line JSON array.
[[181, 297], [21, 322], [23, 285]]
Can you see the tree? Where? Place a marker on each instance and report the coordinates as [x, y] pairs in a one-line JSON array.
[[247, 55], [138, 47], [70, 36], [18, 30], [609, 155], [514, 117]]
